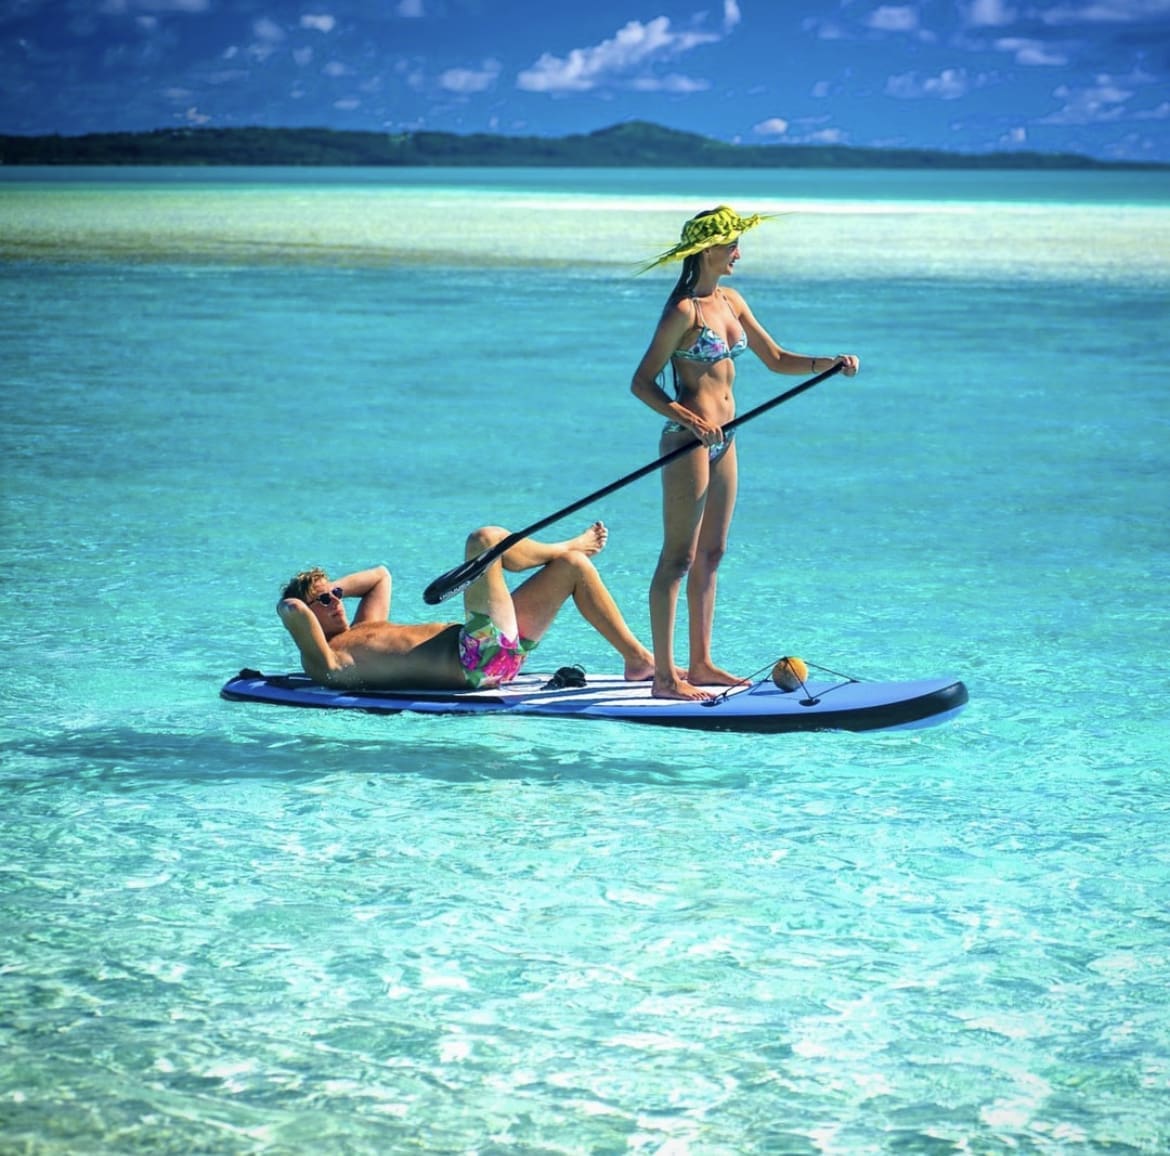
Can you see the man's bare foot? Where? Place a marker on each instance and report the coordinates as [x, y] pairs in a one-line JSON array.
[[707, 675], [589, 542], [641, 669], [677, 689]]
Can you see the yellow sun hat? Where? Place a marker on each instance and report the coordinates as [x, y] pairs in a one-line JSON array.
[[721, 226]]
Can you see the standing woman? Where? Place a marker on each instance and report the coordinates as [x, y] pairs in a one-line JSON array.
[[704, 327]]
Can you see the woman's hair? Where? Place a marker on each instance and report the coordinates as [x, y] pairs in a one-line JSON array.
[[684, 287], [686, 282], [690, 270], [300, 584]]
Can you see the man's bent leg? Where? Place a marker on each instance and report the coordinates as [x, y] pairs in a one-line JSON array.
[[488, 594], [528, 553], [572, 575]]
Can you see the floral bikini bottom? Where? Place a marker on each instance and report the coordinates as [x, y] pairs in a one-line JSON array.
[[715, 452]]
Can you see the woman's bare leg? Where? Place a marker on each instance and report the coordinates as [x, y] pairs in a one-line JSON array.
[[703, 578], [684, 494]]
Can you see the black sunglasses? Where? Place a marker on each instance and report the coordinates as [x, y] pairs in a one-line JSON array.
[[326, 599]]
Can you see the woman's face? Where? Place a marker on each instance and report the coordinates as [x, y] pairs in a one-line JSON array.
[[721, 259]]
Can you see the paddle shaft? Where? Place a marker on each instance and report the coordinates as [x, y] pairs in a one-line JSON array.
[[460, 577]]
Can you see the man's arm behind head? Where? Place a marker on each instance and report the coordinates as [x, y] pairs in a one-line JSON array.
[[373, 587], [317, 656]]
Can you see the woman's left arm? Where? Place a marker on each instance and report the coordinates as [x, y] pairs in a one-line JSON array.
[[775, 356]]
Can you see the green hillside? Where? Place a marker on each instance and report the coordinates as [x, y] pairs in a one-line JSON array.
[[633, 144]]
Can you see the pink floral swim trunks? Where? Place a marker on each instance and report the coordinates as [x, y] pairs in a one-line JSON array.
[[487, 656]]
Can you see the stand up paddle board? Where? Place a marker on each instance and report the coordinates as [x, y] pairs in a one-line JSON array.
[[759, 707]]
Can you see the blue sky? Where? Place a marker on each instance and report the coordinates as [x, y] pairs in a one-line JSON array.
[[1084, 76]]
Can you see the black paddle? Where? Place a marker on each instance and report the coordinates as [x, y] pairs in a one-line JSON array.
[[462, 576]]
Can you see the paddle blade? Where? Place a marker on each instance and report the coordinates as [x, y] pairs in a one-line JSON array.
[[456, 580]]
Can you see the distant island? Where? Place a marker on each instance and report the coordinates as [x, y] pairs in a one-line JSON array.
[[635, 144]]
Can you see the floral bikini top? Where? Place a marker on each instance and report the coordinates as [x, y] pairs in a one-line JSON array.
[[709, 347]]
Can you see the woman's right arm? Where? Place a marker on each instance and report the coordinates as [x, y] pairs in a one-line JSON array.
[[667, 338]]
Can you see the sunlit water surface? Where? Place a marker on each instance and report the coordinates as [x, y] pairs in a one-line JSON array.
[[241, 929]]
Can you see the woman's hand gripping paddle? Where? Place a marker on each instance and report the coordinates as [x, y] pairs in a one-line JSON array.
[[456, 580]]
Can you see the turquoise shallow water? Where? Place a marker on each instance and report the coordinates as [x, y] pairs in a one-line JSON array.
[[247, 930]]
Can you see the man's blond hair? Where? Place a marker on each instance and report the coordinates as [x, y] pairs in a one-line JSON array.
[[300, 584]]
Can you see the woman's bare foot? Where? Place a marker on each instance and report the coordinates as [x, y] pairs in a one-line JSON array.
[[707, 675], [678, 689], [589, 542]]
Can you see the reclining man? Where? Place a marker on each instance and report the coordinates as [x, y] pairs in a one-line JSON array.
[[485, 650]]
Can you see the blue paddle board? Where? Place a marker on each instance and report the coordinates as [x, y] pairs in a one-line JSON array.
[[760, 707]]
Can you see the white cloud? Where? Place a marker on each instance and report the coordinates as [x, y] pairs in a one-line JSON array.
[[731, 15], [1162, 112], [412, 73], [1105, 12], [990, 14], [823, 29], [1015, 136], [1100, 103], [773, 126], [891, 18], [950, 84], [411, 9], [826, 136], [672, 83], [633, 46], [322, 22], [268, 36], [269, 30], [1030, 51], [468, 80], [158, 5]]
